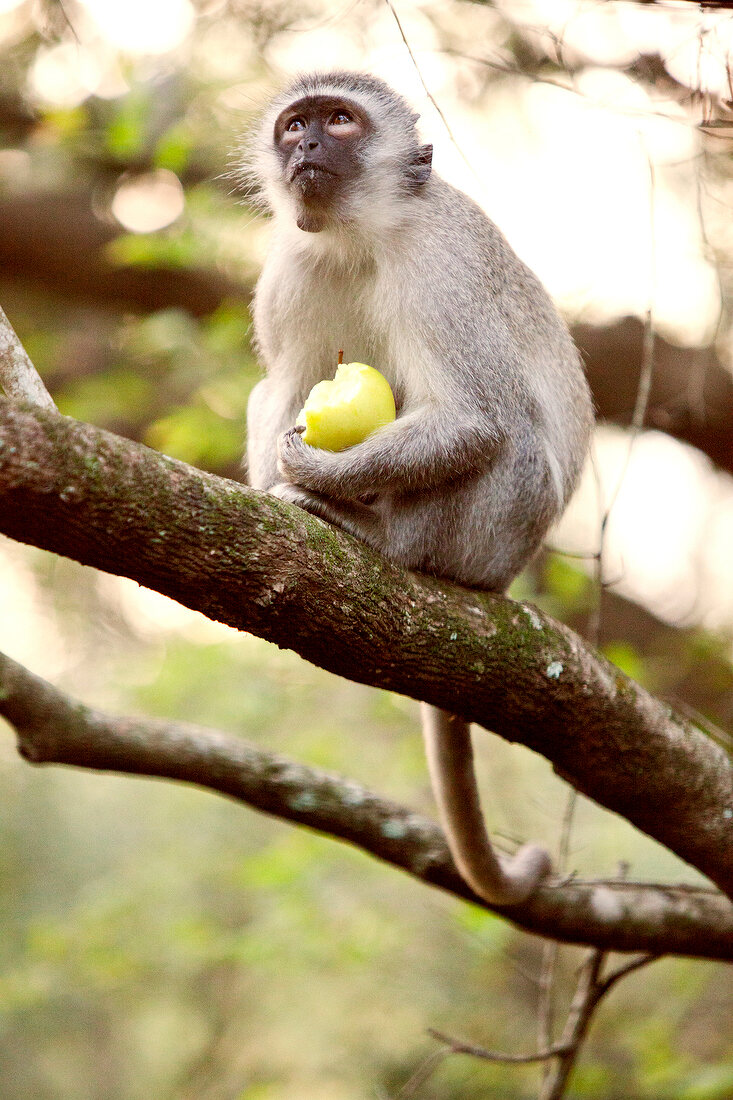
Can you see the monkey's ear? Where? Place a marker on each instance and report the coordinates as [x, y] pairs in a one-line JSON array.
[[421, 164]]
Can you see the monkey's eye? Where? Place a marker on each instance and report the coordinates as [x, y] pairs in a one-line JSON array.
[[341, 118], [295, 124]]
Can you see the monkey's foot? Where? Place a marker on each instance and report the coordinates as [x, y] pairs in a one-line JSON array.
[[352, 516], [291, 494], [314, 503]]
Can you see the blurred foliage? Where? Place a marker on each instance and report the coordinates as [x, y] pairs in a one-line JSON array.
[[177, 384], [159, 941]]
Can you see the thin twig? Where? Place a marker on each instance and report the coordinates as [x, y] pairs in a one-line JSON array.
[[423, 1073], [641, 405], [590, 989], [551, 950], [471, 167], [18, 377], [638, 883], [627, 968], [589, 993], [458, 1046], [645, 376], [68, 19], [581, 1011], [546, 1000]]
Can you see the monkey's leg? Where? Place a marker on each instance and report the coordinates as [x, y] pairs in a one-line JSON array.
[[352, 516], [498, 880]]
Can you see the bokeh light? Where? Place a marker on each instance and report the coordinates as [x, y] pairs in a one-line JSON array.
[[139, 27], [148, 202]]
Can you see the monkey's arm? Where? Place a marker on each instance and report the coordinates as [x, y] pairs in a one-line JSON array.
[[269, 412], [421, 449]]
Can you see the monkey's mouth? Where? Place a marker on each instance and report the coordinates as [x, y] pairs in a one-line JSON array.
[[311, 170], [315, 186]]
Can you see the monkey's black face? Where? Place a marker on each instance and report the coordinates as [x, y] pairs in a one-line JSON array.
[[319, 139]]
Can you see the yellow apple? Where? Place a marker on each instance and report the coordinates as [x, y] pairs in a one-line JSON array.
[[345, 411]]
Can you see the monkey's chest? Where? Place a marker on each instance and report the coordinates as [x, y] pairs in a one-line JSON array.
[[311, 323]]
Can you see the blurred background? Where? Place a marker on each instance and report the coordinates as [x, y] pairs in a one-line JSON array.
[[159, 941]]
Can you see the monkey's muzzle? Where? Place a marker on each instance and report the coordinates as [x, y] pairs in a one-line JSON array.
[[313, 181]]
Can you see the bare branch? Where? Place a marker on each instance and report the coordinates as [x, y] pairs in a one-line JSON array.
[[458, 1046], [583, 1006], [546, 1007], [52, 728], [18, 377], [422, 1074], [622, 971], [590, 991], [560, 1058]]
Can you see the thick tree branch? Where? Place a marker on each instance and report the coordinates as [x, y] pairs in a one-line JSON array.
[[52, 728], [691, 396], [255, 563]]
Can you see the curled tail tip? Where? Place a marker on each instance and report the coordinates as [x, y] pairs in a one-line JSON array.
[[520, 877], [526, 871]]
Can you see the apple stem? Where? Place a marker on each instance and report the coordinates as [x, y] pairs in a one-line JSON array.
[[341, 356]]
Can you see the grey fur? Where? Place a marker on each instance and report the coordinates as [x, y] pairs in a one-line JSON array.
[[494, 414]]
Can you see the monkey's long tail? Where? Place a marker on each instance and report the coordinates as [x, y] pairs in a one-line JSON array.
[[498, 880]]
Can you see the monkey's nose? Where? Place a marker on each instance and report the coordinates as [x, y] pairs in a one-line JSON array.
[[313, 145]]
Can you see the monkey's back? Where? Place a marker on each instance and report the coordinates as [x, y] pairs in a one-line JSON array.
[[498, 328]]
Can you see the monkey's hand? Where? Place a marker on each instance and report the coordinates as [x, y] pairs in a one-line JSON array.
[[301, 465], [292, 435], [418, 449]]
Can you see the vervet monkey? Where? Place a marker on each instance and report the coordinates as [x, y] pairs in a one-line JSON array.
[[374, 254]]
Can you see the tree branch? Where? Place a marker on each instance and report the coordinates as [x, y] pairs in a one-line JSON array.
[[260, 565], [691, 392], [560, 1058], [18, 377], [590, 990], [584, 1003], [459, 1046], [52, 728]]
